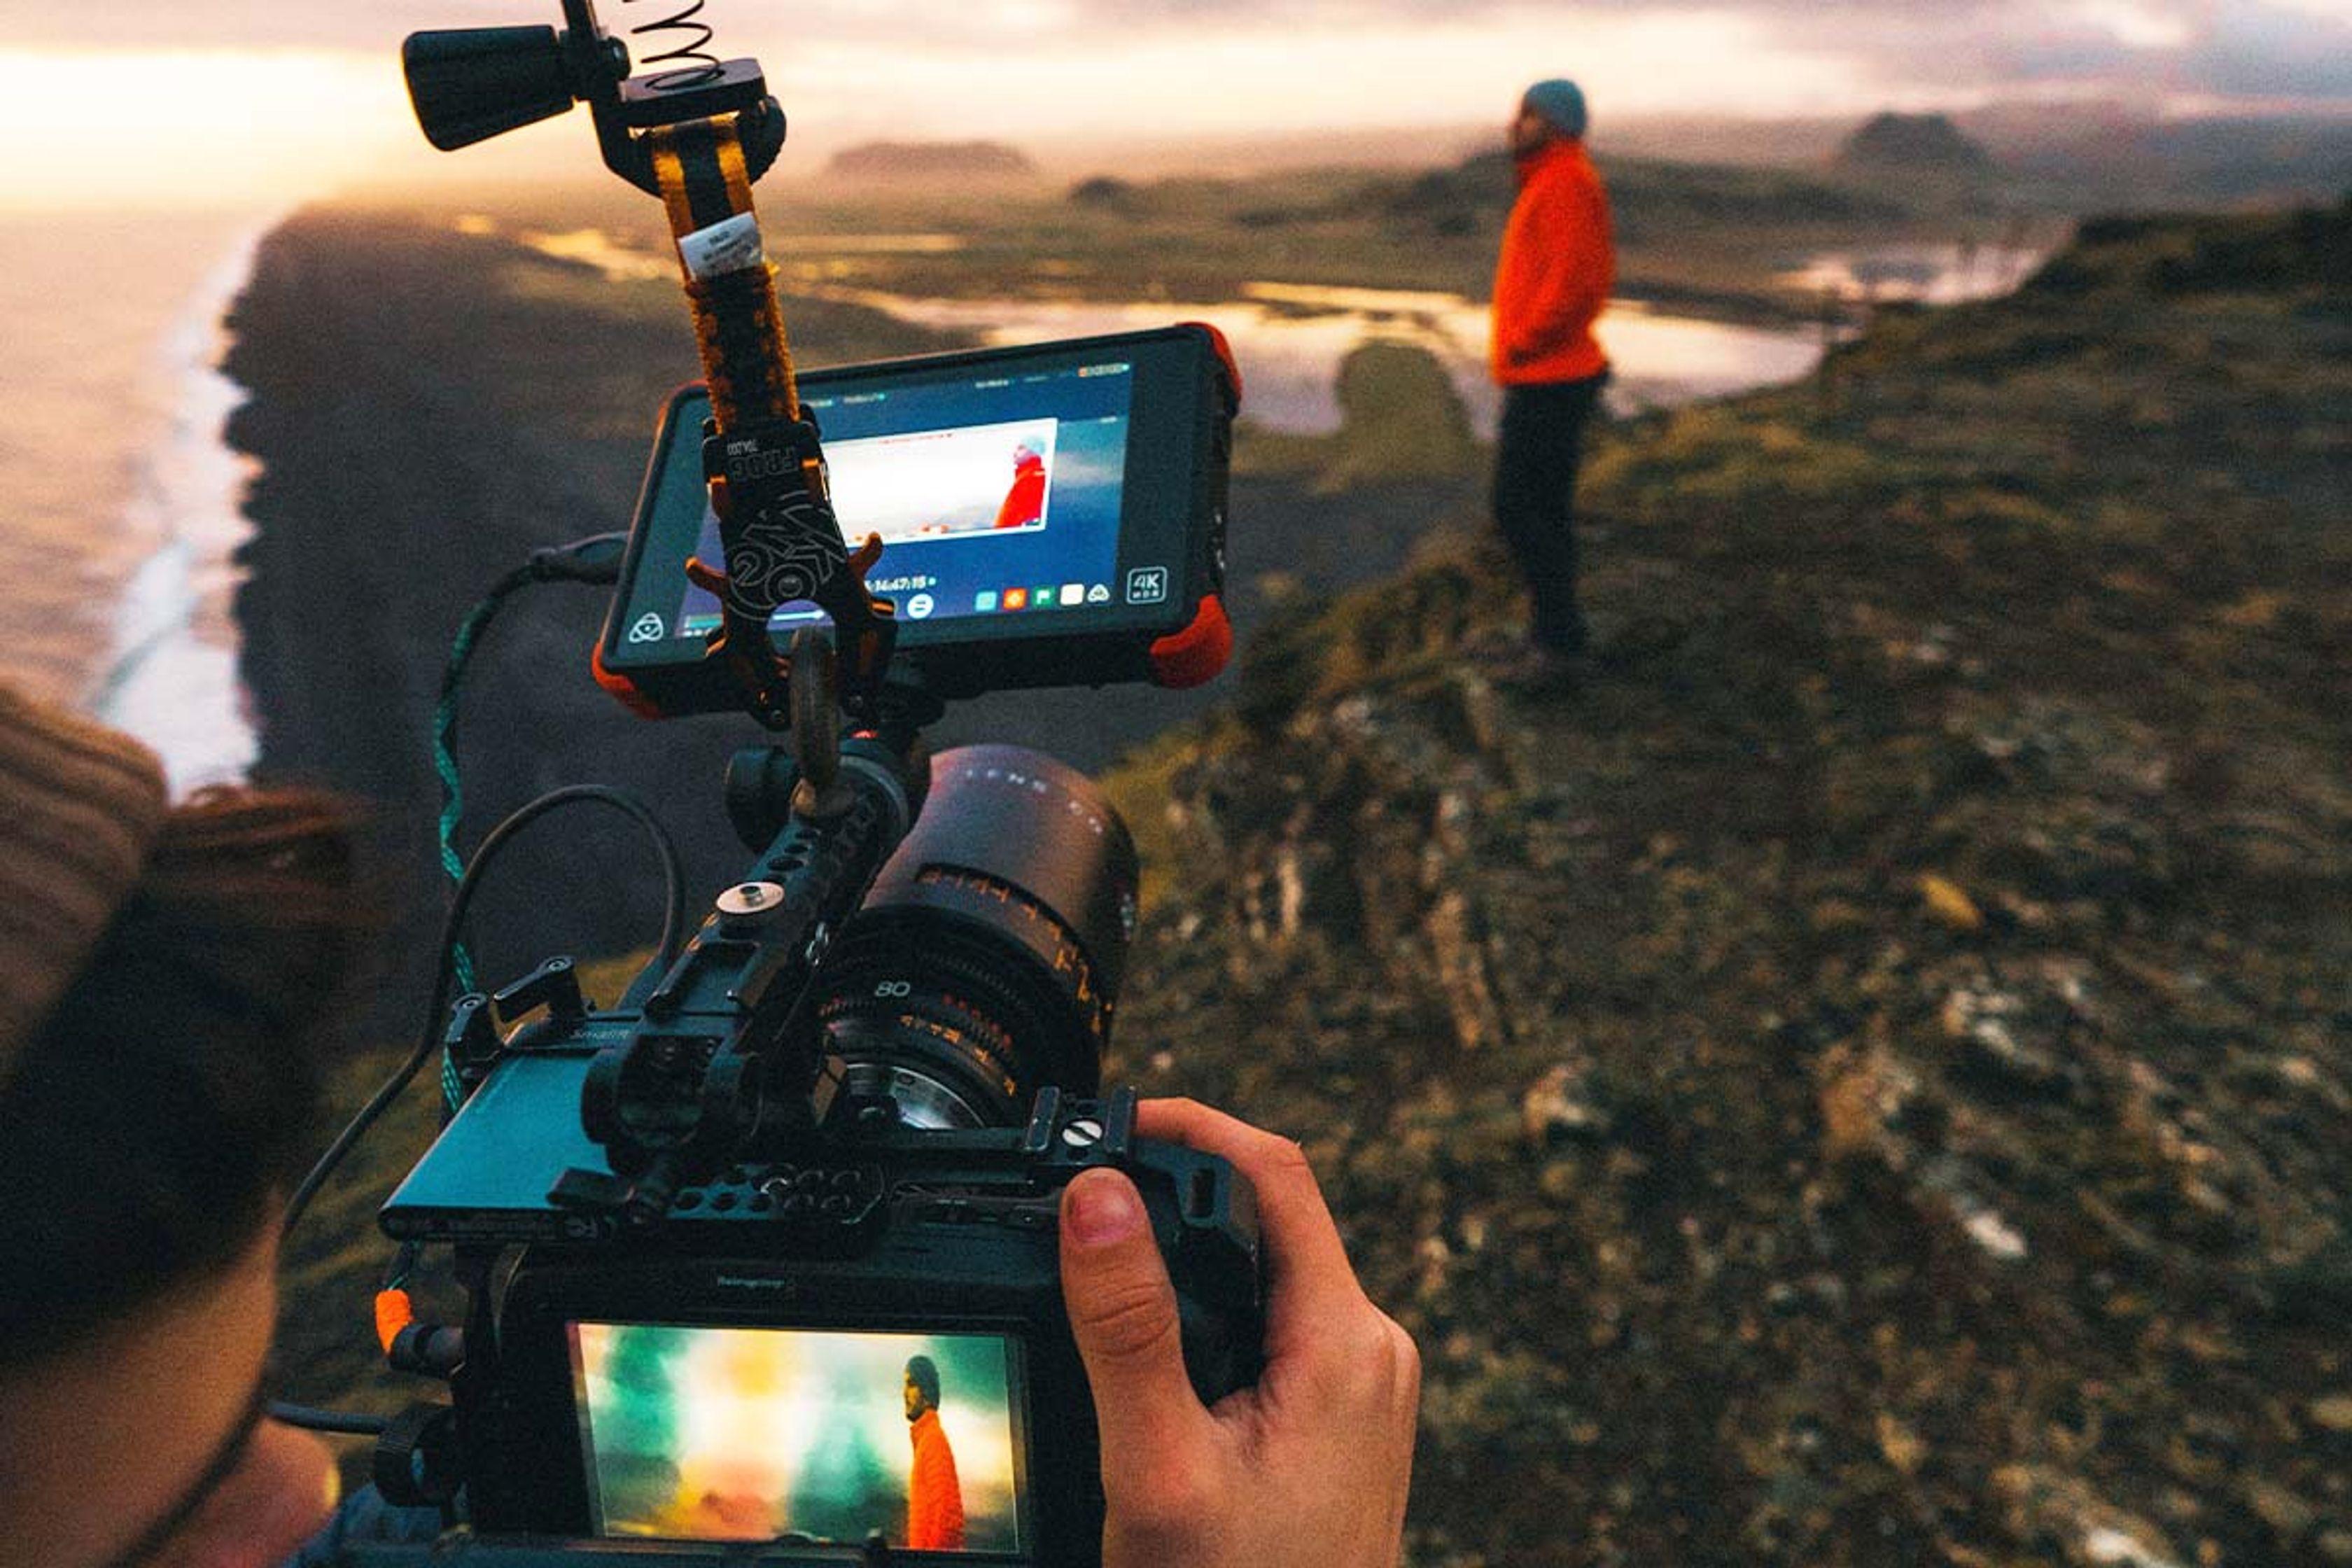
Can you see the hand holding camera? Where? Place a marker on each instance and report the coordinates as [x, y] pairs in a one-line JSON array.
[[1309, 1467]]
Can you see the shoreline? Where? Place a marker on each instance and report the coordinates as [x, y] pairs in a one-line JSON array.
[[107, 423], [171, 674]]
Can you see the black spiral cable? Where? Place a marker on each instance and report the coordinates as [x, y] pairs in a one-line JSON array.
[[673, 924], [594, 561], [704, 67]]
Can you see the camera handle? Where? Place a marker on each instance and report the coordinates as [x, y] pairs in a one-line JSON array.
[[815, 697], [760, 453], [697, 139], [705, 1067]]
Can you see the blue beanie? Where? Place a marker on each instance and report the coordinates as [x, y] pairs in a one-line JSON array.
[[1559, 101]]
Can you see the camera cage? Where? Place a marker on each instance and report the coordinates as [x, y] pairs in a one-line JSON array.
[[968, 1248], [659, 1134]]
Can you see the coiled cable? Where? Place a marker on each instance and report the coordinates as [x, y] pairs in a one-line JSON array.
[[705, 66]]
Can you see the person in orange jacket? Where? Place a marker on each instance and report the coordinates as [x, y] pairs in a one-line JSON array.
[[934, 1497], [1024, 502], [1557, 266]]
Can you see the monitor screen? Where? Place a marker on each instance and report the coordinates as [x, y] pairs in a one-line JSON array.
[[996, 491], [742, 1434], [1049, 515]]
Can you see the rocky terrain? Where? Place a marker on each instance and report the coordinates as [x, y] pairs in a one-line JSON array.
[[1864, 1075]]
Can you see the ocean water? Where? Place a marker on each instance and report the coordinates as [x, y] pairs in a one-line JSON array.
[[120, 502]]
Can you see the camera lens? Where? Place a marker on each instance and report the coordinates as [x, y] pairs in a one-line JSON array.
[[985, 963]]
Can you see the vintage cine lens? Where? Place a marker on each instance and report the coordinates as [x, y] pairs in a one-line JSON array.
[[985, 963]]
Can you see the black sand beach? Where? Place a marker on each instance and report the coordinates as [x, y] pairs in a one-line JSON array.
[[428, 409]]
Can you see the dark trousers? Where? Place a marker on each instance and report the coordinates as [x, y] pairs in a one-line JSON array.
[[1535, 459]]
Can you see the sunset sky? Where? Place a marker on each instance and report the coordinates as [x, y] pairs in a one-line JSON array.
[[220, 103]]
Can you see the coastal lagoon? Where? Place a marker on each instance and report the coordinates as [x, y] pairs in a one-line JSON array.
[[125, 507], [1291, 338]]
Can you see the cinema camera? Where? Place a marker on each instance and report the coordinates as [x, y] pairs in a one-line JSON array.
[[722, 1242]]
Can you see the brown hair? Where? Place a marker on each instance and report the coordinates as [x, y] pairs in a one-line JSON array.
[[154, 1120]]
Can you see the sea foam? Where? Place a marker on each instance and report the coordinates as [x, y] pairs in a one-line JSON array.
[[171, 677]]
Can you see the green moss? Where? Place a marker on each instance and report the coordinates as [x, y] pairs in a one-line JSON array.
[[1143, 786], [1401, 418]]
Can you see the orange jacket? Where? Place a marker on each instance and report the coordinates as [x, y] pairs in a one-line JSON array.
[[1556, 270], [1025, 503], [934, 1499]]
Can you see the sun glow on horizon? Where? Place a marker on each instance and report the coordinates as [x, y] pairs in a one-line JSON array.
[[236, 129], [182, 129], [1397, 74], [245, 129], [2136, 25]]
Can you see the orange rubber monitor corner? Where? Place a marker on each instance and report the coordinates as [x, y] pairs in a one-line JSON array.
[[1193, 656]]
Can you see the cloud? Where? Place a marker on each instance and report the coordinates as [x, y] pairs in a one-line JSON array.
[[2151, 50], [2270, 51], [1379, 73], [1907, 50]]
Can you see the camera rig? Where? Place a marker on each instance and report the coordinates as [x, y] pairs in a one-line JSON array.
[[850, 1103], [845, 1111]]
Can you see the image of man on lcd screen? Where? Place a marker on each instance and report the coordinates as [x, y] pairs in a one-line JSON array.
[[1025, 503], [934, 1499]]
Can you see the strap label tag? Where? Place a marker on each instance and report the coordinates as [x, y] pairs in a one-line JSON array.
[[731, 245]]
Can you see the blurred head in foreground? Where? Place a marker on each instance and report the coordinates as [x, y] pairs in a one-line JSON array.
[[165, 972]]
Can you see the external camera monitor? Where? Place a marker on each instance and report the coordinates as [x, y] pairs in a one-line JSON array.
[[756, 1434], [1049, 515]]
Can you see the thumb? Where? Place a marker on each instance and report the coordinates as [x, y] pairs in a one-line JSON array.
[[1123, 1315]]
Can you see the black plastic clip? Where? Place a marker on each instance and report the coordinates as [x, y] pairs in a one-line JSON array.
[[1044, 1114], [785, 545], [471, 1039], [554, 985], [1118, 1121], [416, 1458]]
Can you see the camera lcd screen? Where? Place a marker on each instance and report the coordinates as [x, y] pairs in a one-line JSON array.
[[743, 1433]]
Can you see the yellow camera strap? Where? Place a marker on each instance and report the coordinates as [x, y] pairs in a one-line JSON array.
[[729, 282], [766, 470]]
